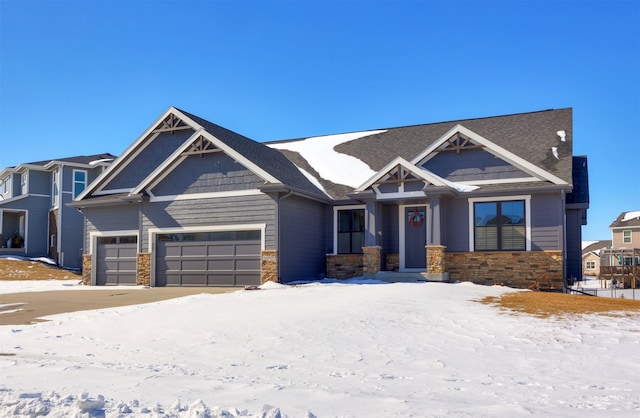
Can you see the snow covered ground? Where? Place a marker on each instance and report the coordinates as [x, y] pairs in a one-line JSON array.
[[324, 350]]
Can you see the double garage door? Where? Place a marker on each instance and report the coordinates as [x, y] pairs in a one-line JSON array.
[[228, 258]]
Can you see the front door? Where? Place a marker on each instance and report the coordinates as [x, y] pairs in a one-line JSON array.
[[415, 237]]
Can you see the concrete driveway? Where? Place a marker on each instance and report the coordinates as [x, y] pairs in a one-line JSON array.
[[31, 306]]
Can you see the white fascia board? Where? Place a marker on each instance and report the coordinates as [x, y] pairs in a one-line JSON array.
[[211, 195], [168, 164], [120, 162], [401, 195], [106, 192], [415, 170], [52, 164], [494, 149]]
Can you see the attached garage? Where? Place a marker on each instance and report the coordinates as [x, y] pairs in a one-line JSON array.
[[221, 258], [116, 260]]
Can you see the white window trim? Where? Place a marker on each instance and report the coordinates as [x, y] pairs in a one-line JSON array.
[[55, 194], [590, 263], [335, 222], [24, 182], [630, 236], [527, 216], [73, 182], [153, 232], [6, 187]]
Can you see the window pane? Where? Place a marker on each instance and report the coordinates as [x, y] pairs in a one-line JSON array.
[[344, 242], [128, 240], [486, 238], [220, 236], [513, 212], [358, 220], [79, 176], [357, 242], [513, 237], [242, 235], [344, 221], [485, 213]]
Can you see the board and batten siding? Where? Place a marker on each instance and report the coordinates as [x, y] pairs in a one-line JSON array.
[[215, 172], [221, 211], [148, 159], [301, 244]]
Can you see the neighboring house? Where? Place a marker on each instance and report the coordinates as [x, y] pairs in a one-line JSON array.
[[34, 220], [622, 260], [591, 256], [490, 200]]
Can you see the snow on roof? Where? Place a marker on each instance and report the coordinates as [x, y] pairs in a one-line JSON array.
[[331, 165], [313, 180], [631, 215], [585, 244]]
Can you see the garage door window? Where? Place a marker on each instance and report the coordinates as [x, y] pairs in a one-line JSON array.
[[117, 240], [211, 236]]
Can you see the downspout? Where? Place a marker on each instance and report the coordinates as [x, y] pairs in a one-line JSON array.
[[280, 199], [564, 241]]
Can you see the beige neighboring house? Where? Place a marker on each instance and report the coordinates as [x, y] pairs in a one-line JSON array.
[[625, 230], [622, 260], [591, 256]]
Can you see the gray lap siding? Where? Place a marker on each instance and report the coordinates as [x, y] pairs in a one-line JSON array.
[[224, 211]]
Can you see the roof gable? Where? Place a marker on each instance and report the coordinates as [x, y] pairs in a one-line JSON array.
[[177, 134], [459, 139]]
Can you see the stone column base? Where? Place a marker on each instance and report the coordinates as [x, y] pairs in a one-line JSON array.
[[143, 270], [269, 266], [371, 262], [86, 269], [435, 258]]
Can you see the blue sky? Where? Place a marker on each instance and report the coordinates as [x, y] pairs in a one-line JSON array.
[[86, 77]]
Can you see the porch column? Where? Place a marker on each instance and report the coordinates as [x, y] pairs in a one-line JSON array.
[[86, 269], [433, 230], [371, 261], [371, 224], [269, 266], [436, 263]]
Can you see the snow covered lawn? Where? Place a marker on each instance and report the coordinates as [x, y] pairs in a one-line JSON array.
[[325, 350]]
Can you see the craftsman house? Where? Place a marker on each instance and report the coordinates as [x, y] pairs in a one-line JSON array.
[[34, 218], [490, 200], [591, 256]]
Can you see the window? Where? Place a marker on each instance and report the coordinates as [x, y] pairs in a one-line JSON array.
[[55, 192], [53, 240], [626, 237], [350, 231], [499, 226], [5, 184], [79, 182], [24, 182], [591, 265]]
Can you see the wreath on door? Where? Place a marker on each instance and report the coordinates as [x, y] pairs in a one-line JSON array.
[[416, 218]]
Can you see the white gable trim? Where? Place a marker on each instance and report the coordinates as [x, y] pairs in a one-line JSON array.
[[491, 147], [417, 171], [131, 152], [174, 160], [211, 195]]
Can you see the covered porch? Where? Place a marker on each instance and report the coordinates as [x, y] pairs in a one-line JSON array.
[[12, 232]]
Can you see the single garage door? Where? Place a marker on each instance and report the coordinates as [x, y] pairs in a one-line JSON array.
[[116, 260], [229, 258]]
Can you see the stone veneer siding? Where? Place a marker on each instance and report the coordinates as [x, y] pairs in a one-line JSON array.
[[520, 269], [86, 269], [371, 261], [393, 262], [143, 269], [344, 266], [269, 266], [436, 261]]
